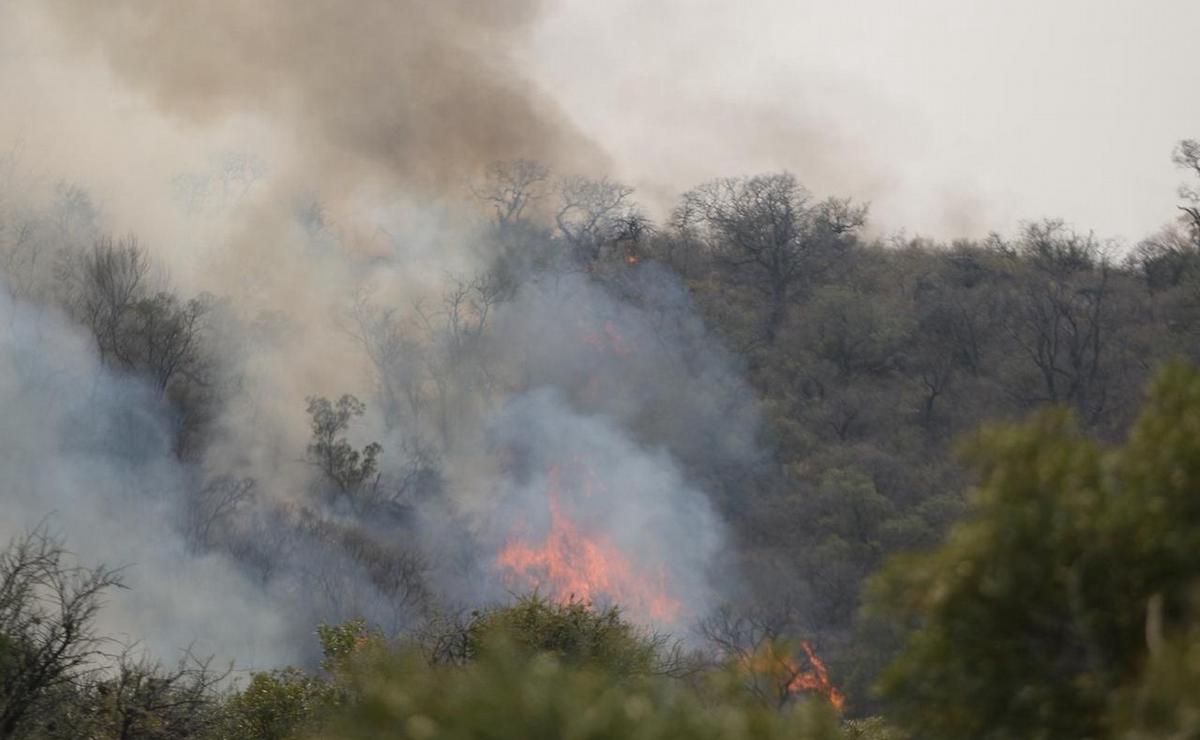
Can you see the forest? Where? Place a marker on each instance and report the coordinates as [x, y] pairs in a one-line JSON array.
[[939, 489], [554, 369]]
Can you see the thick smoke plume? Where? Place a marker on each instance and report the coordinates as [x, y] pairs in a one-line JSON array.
[[86, 451], [303, 175], [407, 91]]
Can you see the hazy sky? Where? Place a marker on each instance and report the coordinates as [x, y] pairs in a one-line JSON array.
[[950, 115], [953, 117]]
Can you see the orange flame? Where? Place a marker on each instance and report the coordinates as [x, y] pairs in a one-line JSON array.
[[783, 669], [573, 564]]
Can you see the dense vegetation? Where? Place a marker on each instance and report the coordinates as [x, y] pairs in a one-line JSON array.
[[1042, 590]]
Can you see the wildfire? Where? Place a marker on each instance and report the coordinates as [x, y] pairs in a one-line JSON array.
[[781, 668], [571, 563]]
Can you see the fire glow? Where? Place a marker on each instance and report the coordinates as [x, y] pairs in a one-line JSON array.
[[783, 670], [571, 563]]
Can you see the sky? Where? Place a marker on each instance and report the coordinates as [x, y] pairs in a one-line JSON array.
[[953, 117]]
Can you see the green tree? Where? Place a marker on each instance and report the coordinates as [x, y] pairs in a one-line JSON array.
[[277, 704], [575, 633], [1035, 612]]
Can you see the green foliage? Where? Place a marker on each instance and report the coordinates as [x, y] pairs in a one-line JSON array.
[[277, 704], [505, 693], [871, 728], [342, 643], [575, 633], [1037, 608], [1163, 703], [856, 332]]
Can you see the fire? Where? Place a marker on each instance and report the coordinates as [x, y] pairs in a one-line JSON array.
[[817, 680], [571, 563], [781, 668]]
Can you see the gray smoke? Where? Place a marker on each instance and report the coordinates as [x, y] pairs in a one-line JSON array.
[[304, 166], [402, 90], [88, 453]]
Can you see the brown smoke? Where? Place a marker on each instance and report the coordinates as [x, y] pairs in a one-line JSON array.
[[410, 91]]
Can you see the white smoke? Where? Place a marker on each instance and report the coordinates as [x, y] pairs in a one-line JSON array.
[[88, 453]]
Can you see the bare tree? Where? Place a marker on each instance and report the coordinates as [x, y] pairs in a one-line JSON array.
[[1062, 322], [458, 363], [755, 642], [209, 511], [591, 213], [1187, 157], [105, 285], [140, 698], [20, 253], [399, 574], [399, 361], [511, 187], [227, 182], [165, 339], [767, 228], [48, 607]]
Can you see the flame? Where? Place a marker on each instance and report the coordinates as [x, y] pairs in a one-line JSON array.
[[781, 667], [571, 563]]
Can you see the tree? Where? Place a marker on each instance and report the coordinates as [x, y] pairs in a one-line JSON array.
[[752, 643], [457, 360], [278, 704], [1048, 598], [858, 334], [1187, 157], [543, 670], [1063, 320], [148, 332], [574, 632], [398, 359], [767, 229], [141, 700], [346, 468], [209, 511], [592, 213], [512, 187], [48, 607], [398, 573]]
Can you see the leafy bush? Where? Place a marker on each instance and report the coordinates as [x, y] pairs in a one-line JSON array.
[[507, 693], [1074, 569]]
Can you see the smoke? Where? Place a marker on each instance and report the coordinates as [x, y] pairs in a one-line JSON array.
[[623, 413], [404, 91], [305, 165], [585, 470], [88, 453]]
